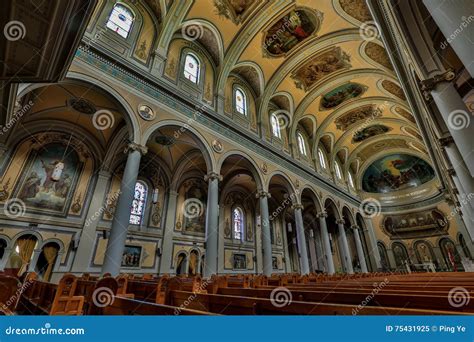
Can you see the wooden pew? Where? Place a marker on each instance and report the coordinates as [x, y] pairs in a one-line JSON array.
[[10, 291], [43, 298]]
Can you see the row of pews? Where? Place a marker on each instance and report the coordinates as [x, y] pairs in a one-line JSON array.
[[279, 294]]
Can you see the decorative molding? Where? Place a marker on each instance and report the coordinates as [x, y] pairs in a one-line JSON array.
[[212, 176], [429, 84], [136, 147], [262, 193]]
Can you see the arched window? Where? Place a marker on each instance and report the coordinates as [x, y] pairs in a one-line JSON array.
[[238, 223], [338, 170], [192, 68], [138, 204], [322, 160], [120, 20], [240, 101], [275, 126], [301, 143], [350, 179]]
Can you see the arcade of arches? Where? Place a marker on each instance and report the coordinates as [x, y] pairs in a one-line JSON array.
[[213, 137]]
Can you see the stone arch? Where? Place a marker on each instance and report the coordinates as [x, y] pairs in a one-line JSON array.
[[289, 184], [254, 169]]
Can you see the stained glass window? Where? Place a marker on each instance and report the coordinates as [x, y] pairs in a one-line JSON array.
[[301, 144], [191, 68], [238, 219], [120, 20], [275, 126], [138, 204], [240, 102], [322, 160]]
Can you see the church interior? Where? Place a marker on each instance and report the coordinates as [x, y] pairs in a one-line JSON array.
[[236, 157]]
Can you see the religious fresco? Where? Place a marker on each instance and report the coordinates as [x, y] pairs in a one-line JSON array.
[[321, 66], [450, 254], [402, 112], [131, 256], [341, 94], [48, 180], [364, 113], [419, 224], [396, 172], [394, 89], [424, 253], [383, 256], [193, 193], [356, 9], [378, 54], [234, 10], [413, 132], [400, 254], [369, 132], [294, 28]]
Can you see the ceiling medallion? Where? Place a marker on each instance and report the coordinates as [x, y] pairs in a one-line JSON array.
[[217, 146], [82, 106], [146, 113], [164, 140]]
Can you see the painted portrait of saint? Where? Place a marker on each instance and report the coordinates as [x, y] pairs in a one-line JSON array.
[[49, 177], [341, 94]]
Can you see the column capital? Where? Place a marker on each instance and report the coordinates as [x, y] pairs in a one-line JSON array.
[[297, 206], [355, 227], [430, 83], [213, 176], [132, 147], [322, 214], [340, 221], [262, 193], [104, 173]]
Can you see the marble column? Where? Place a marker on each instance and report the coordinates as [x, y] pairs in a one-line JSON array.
[[458, 120], [301, 238], [360, 250], [454, 19], [345, 247], [118, 232], [312, 251], [266, 237], [212, 224], [326, 243], [167, 244], [373, 248], [88, 234]]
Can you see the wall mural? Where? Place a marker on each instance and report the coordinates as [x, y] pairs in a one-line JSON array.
[[42, 185], [378, 54], [356, 9], [450, 254], [369, 132], [396, 172], [193, 198], [341, 94], [363, 113], [294, 28], [400, 254], [419, 224], [424, 253], [321, 66], [234, 10], [394, 89], [405, 114]]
